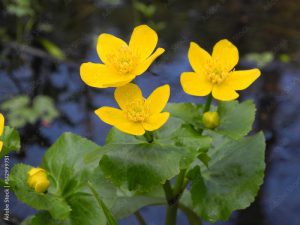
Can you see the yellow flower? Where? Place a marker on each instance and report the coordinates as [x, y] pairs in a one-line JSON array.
[[2, 120], [137, 114], [122, 62], [38, 180], [215, 73]]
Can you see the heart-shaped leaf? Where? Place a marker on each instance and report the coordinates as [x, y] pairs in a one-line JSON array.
[[232, 180], [68, 197]]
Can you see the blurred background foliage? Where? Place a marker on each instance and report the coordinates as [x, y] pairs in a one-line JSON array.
[[20, 110]]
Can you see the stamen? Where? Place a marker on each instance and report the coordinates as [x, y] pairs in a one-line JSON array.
[[214, 72], [137, 111], [123, 60]]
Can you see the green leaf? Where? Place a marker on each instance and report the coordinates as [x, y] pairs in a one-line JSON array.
[[203, 157], [117, 137], [20, 10], [20, 110], [44, 107], [133, 163], [15, 103], [43, 218], [51, 202], [68, 174], [236, 119], [182, 135], [189, 112], [231, 182], [261, 59], [141, 167], [11, 141], [128, 203], [110, 218]]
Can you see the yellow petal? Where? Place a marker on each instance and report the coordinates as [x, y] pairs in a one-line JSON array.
[[102, 76], [198, 57], [224, 92], [240, 80], [143, 41], [143, 66], [34, 171], [156, 121], [1, 145], [108, 44], [195, 84], [127, 94], [226, 54], [118, 119], [37, 175], [42, 186], [158, 99], [2, 121]]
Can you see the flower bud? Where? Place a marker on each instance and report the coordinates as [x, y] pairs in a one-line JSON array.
[[211, 120], [38, 180]]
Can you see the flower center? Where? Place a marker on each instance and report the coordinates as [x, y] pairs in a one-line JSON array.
[[123, 60], [137, 111], [214, 72]]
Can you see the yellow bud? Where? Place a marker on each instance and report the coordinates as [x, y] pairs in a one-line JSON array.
[[211, 120], [38, 179]]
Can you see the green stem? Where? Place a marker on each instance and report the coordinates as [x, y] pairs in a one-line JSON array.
[[208, 103], [206, 107], [168, 191], [173, 197], [149, 136], [192, 217], [95, 193], [140, 218], [171, 214], [179, 182], [172, 206]]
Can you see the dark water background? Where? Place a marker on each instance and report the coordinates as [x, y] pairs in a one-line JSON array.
[[254, 26]]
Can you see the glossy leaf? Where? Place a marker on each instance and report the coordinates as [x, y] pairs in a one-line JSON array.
[[134, 163], [232, 180], [189, 112], [178, 133], [43, 218], [130, 202], [143, 166], [236, 119], [110, 218], [11, 141], [68, 196], [55, 204]]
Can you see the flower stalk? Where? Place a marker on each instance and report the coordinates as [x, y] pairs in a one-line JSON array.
[[207, 103], [173, 196]]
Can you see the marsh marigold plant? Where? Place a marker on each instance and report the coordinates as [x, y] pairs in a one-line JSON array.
[[207, 150], [137, 114], [215, 73], [122, 62]]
